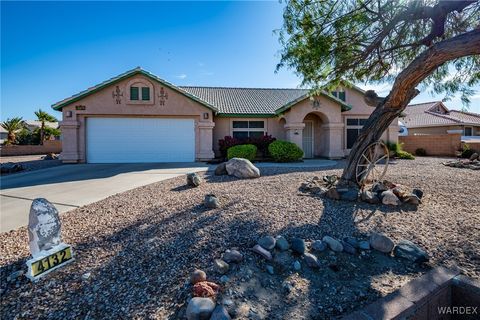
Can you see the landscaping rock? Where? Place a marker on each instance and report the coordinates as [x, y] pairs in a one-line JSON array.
[[50, 156], [232, 256], [311, 261], [242, 168], [418, 193], [211, 201], [205, 289], [200, 308], [44, 228], [334, 244], [298, 245], [193, 179], [369, 197], [270, 269], [198, 276], [261, 251], [389, 198], [224, 279], [474, 156], [10, 167], [408, 250], [351, 241], [221, 266], [379, 187], [381, 243], [221, 169], [400, 191], [412, 199], [297, 266], [319, 245], [348, 248], [364, 245], [332, 193], [267, 242], [220, 313], [281, 243]]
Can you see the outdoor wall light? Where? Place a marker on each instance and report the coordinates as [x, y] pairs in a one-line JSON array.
[[205, 115], [295, 132]]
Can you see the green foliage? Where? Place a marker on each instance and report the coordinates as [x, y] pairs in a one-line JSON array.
[[331, 42], [43, 116], [245, 151], [467, 151], [285, 151], [405, 155], [421, 152], [12, 126], [26, 136], [394, 146]]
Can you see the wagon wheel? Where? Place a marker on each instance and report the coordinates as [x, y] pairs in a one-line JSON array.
[[373, 163]]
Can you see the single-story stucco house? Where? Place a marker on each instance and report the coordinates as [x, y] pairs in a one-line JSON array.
[[435, 118], [138, 117]]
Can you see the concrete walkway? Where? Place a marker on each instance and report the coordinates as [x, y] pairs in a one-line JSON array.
[[308, 163], [72, 186]]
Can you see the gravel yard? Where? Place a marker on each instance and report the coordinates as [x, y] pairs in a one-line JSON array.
[[134, 251], [33, 162]]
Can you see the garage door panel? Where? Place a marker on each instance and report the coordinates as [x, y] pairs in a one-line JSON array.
[[128, 140]]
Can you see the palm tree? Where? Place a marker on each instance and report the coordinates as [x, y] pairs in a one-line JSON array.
[[43, 117], [12, 126]]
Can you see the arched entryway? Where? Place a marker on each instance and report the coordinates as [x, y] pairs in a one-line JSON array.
[[314, 138]]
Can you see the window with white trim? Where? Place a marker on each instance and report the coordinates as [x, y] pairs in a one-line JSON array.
[[340, 94], [353, 127], [248, 129], [468, 131]]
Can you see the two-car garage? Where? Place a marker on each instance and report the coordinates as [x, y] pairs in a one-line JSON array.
[[139, 139]]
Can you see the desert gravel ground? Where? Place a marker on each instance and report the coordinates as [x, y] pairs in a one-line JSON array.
[[135, 250], [31, 162]]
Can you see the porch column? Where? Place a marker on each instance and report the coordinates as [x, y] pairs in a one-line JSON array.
[[70, 142], [335, 138], [205, 141], [295, 133], [392, 133]]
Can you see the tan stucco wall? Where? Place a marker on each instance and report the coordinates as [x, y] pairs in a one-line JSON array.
[[440, 130], [103, 104]]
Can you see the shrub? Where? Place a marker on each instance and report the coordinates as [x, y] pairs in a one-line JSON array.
[[395, 147], [405, 155], [284, 151], [246, 151], [466, 151], [261, 143], [420, 152]]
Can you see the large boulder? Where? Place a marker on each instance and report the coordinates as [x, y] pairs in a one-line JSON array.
[[221, 169], [242, 168], [43, 226], [381, 242], [408, 250], [389, 198], [200, 308]]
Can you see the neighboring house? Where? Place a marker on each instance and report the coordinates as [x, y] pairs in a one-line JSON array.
[[138, 117], [436, 118], [3, 135], [32, 125]]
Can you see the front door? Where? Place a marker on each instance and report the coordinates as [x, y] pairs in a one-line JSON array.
[[307, 142]]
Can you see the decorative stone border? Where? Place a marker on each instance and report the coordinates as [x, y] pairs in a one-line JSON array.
[[421, 299]]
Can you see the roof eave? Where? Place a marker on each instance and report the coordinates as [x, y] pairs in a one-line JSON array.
[[246, 115], [344, 106], [59, 105]]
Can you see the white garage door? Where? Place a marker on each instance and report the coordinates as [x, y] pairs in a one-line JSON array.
[[129, 140]]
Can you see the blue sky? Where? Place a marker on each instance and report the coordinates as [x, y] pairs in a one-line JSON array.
[[51, 50]]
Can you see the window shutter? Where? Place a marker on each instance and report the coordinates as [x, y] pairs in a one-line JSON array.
[[145, 93], [133, 93]]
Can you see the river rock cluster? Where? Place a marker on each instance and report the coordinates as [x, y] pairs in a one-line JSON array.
[[473, 163], [381, 192], [276, 252]]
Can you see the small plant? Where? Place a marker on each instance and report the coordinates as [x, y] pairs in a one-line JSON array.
[[405, 155], [284, 151], [261, 143], [421, 152], [466, 151], [245, 151]]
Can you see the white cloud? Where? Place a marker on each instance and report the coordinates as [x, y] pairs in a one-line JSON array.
[[181, 76]]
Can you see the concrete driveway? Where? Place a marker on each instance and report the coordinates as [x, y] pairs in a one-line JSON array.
[[72, 186]]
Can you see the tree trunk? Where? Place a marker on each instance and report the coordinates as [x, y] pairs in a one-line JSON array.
[[42, 133], [404, 90]]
